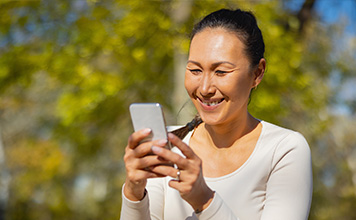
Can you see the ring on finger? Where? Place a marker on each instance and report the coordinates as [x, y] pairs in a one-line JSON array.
[[178, 175]]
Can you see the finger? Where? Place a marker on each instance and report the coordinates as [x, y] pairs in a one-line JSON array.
[[145, 148], [165, 170], [142, 150], [140, 175], [169, 155], [149, 161], [183, 188], [138, 136], [175, 184], [160, 143], [186, 150]]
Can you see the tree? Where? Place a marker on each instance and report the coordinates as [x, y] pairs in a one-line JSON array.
[[68, 72]]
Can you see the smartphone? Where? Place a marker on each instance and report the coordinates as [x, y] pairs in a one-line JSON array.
[[149, 115]]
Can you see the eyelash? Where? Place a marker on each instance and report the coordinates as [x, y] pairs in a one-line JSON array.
[[195, 71], [220, 72], [217, 72]]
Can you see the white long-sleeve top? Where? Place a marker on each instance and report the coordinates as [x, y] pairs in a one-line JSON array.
[[274, 183]]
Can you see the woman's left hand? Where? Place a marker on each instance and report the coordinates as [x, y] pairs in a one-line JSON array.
[[189, 180]]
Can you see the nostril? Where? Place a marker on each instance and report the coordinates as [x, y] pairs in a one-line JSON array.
[[207, 95], [207, 90]]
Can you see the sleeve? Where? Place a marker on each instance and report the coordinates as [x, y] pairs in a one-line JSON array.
[[290, 184], [144, 209], [131, 210], [156, 191], [216, 210]]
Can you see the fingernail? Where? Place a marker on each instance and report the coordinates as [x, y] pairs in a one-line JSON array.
[[156, 149], [162, 142], [146, 131]]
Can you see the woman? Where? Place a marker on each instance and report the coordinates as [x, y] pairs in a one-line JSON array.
[[232, 165]]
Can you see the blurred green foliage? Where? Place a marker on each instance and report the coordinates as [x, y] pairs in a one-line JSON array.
[[70, 69]]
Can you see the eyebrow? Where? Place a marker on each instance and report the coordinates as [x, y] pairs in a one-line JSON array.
[[214, 64]]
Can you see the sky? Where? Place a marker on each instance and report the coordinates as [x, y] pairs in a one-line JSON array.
[[332, 11]]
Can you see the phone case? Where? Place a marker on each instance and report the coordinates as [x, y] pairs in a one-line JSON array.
[[149, 115]]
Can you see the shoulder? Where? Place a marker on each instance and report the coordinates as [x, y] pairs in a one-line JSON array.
[[285, 141], [286, 144], [277, 134]]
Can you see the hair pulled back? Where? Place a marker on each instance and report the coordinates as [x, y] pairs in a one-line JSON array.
[[183, 131], [243, 24]]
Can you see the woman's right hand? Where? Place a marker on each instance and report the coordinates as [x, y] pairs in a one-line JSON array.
[[138, 163]]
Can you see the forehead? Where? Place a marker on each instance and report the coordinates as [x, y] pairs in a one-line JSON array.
[[216, 44]]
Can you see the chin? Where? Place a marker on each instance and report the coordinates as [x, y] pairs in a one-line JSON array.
[[210, 119]]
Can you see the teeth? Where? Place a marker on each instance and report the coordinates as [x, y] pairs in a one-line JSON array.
[[211, 103]]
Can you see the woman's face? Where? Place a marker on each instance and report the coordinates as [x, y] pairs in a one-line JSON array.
[[218, 76]]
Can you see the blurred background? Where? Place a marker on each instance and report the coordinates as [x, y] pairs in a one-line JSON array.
[[69, 70]]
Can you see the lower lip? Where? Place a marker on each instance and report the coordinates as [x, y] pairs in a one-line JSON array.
[[207, 107]]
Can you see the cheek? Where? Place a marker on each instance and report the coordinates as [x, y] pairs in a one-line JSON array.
[[234, 87]]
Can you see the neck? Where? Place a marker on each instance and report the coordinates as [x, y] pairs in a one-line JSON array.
[[225, 135]]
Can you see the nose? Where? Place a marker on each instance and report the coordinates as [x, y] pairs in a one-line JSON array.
[[207, 87]]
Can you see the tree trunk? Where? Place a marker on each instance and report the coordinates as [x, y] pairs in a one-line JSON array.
[[4, 181], [182, 110], [305, 13]]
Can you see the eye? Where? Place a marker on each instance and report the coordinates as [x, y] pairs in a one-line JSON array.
[[195, 71], [220, 72]]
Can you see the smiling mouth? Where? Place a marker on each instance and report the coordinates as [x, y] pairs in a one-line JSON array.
[[211, 103]]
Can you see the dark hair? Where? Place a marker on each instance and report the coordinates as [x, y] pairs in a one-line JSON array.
[[183, 131], [244, 25]]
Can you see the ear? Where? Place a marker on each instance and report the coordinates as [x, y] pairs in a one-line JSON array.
[[259, 72]]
